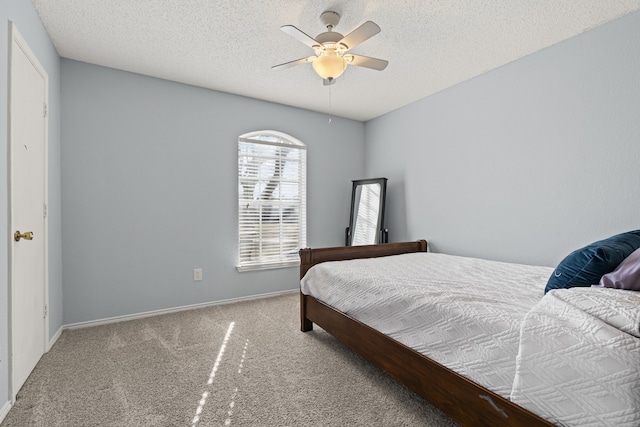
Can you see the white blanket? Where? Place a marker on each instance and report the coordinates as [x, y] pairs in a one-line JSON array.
[[579, 358], [464, 313]]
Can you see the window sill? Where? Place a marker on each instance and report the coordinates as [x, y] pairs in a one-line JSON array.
[[267, 266]]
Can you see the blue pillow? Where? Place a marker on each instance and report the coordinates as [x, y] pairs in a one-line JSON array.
[[586, 266]]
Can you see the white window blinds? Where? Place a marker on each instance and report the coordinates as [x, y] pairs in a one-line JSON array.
[[271, 200]]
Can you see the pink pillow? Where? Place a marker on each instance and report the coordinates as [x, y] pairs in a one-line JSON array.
[[626, 275]]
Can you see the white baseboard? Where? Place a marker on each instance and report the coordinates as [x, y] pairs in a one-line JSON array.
[[4, 410], [167, 311], [54, 338]]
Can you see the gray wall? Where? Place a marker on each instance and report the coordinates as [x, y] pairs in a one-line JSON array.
[[24, 16], [524, 163], [150, 190]]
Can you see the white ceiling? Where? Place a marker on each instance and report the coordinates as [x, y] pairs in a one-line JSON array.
[[230, 46]]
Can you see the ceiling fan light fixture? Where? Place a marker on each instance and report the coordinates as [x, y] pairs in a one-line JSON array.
[[329, 65]]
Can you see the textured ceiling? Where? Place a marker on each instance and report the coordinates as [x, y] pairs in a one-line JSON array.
[[230, 46]]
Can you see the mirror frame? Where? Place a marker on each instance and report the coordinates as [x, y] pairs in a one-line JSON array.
[[382, 234]]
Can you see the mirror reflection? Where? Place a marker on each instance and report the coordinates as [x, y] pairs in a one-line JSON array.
[[366, 223]]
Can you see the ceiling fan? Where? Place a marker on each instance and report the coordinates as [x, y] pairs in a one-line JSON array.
[[330, 48]]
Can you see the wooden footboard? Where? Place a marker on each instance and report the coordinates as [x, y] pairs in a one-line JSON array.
[[463, 400]]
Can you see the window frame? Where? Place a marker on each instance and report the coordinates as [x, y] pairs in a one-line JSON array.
[[278, 251]]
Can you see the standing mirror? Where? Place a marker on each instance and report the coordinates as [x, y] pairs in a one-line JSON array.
[[366, 223]]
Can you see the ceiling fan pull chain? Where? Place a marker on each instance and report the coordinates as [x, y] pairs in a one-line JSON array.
[[330, 105]]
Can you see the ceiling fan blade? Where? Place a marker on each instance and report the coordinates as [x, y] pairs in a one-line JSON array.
[[290, 64], [297, 34], [368, 62], [360, 34]]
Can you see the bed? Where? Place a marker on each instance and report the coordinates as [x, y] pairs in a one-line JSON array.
[[485, 357]]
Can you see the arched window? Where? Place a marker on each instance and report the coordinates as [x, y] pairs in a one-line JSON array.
[[272, 201]]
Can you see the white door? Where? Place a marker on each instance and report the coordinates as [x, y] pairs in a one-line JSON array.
[[28, 152]]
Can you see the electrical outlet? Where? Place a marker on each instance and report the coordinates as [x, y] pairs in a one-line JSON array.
[[197, 274]]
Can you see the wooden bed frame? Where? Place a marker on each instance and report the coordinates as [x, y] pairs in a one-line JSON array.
[[463, 400]]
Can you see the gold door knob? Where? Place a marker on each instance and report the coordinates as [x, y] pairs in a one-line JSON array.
[[26, 236]]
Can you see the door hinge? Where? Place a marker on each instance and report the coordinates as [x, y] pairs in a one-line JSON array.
[[46, 311], [45, 210], [44, 111]]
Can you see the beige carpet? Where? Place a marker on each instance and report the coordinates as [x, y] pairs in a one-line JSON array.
[[240, 364]]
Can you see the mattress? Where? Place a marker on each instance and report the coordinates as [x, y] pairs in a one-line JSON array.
[[464, 313]]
